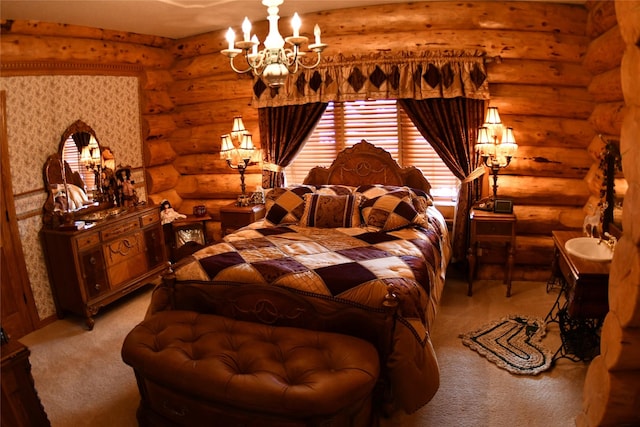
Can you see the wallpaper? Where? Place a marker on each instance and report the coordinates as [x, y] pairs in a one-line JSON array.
[[39, 109]]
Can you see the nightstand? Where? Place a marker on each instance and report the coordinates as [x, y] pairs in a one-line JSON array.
[[186, 235], [489, 228], [233, 217]]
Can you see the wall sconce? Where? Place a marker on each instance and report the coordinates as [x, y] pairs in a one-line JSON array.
[[496, 145], [237, 149]]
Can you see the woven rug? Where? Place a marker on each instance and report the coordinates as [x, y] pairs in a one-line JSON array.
[[512, 343]]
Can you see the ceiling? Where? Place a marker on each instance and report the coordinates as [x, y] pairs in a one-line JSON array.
[[167, 18]]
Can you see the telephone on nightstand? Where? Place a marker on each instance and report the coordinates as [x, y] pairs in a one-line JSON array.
[[484, 205], [497, 205]]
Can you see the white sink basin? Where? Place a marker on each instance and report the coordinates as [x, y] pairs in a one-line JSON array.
[[589, 248]]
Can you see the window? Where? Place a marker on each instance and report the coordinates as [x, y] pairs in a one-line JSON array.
[[382, 123]]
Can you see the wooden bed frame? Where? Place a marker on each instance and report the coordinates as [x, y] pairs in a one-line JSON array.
[[365, 164]]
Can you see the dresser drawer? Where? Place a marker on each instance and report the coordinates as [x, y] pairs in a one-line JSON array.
[[494, 228], [123, 249], [87, 240], [120, 228], [149, 218]]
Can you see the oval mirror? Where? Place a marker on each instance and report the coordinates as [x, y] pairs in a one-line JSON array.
[[80, 176]]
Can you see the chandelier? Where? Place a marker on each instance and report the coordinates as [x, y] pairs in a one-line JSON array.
[[274, 62], [496, 145]]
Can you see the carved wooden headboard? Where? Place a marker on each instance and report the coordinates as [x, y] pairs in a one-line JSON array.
[[363, 164]]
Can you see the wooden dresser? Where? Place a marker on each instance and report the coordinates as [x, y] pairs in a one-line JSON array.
[[95, 266]]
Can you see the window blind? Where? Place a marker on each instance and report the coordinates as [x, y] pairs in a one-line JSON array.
[[72, 157], [382, 123]]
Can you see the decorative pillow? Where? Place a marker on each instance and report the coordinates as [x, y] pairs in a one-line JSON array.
[[371, 191], [336, 189], [285, 205], [331, 211], [389, 212], [420, 199]]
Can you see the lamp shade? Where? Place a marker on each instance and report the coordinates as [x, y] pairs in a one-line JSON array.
[[226, 147], [238, 125], [85, 156], [484, 145], [246, 147], [237, 129], [508, 147], [492, 118]]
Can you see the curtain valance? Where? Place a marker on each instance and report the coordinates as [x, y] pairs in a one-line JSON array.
[[431, 74]]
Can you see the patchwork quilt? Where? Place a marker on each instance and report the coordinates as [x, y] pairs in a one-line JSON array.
[[357, 264]]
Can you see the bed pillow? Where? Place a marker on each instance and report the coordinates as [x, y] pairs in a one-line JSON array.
[[390, 212], [331, 211], [420, 199], [285, 205]]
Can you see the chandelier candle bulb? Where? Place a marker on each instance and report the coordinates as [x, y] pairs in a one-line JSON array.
[[296, 24], [254, 49], [231, 36], [316, 33], [246, 29]]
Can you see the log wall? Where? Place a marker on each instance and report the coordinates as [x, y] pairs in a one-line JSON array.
[[190, 96], [611, 395]]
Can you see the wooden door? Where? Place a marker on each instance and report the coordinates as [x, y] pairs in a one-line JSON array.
[[19, 314]]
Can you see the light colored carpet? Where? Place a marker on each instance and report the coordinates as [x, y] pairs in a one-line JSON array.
[[82, 380]]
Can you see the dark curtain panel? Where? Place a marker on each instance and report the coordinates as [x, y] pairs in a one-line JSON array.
[[451, 125], [81, 139], [282, 134]]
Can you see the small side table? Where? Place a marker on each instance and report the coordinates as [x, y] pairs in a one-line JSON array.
[[233, 217], [186, 235], [490, 227]]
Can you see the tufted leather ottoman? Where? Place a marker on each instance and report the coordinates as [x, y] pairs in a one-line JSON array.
[[202, 369]]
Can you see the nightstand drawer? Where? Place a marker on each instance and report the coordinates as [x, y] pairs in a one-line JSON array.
[[494, 228], [233, 217]]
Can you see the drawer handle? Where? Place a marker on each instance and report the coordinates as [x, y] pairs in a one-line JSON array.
[[93, 260], [180, 412], [97, 286]]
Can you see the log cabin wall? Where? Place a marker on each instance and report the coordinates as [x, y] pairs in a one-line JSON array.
[[611, 395], [538, 83]]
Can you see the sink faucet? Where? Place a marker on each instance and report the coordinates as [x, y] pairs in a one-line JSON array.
[[610, 242]]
